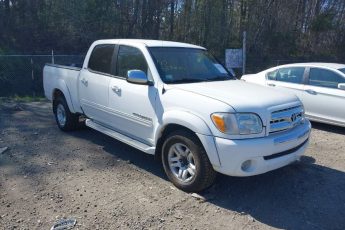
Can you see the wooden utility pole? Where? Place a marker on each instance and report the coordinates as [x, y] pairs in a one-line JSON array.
[[244, 52]]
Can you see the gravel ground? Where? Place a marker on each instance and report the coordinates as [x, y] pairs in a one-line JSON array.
[[46, 175]]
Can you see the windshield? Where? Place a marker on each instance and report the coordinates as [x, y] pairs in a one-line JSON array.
[[183, 65], [342, 70]]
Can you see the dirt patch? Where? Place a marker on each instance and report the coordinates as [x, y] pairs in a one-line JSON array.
[[47, 175]]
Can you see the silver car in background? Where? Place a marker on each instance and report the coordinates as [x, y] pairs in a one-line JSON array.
[[320, 86]]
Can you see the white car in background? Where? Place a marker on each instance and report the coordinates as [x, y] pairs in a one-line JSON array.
[[320, 86]]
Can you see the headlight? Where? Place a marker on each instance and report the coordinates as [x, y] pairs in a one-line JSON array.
[[237, 123]]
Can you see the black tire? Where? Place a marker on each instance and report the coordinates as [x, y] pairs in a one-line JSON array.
[[71, 119], [204, 174]]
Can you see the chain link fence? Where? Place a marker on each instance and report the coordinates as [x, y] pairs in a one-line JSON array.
[[22, 75]]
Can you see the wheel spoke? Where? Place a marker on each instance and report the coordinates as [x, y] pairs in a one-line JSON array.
[[180, 150], [190, 157], [184, 174], [192, 166], [180, 171], [191, 171], [177, 150], [175, 165], [174, 159], [187, 153]]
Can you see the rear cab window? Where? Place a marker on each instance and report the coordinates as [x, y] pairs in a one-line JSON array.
[[101, 58]]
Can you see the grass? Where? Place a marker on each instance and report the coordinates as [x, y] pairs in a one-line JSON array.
[[28, 98], [22, 99]]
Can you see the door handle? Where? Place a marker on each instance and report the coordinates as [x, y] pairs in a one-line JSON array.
[[311, 91], [271, 84], [116, 89], [84, 81]]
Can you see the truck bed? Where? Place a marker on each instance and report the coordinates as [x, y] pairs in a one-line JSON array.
[[64, 78]]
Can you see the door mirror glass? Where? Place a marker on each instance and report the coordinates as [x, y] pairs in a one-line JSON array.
[[138, 77], [341, 86]]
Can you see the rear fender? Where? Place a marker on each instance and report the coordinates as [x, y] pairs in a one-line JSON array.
[[62, 86]]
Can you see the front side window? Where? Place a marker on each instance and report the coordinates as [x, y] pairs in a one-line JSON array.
[[290, 75], [130, 58], [101, 58], [324, 78], [187, 65]]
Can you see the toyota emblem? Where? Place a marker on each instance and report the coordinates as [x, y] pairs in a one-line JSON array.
[[293, 117]]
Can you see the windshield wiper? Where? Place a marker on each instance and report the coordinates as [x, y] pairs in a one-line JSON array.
[[186, 80], [219, 78], [193, 80]]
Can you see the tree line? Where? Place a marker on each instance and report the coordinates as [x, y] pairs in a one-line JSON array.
[[310, 30]]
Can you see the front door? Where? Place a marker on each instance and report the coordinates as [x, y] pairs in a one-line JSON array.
[[132, 105], [323, 100]]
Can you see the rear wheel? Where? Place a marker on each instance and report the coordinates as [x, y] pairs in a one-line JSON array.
[[65, 120], [186, 163]]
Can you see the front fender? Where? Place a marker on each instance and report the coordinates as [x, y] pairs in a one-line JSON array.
[[188, 120], [195, 124]]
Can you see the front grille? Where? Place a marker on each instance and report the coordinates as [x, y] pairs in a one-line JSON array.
[[286, 118]]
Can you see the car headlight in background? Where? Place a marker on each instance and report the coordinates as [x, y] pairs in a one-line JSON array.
[[237, 123], [303, 114]]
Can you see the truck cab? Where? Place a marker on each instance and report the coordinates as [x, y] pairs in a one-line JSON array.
[[177, 102]]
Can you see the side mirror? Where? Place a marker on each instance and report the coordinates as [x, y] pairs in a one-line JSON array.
[[341, 86], [138, 77]]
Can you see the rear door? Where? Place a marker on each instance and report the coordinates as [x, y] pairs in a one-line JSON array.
[[323, 100], [94, 83], [289, 79]]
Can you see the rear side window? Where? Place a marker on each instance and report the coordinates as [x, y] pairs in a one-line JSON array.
[[324, 78], [289, 74], [130, 58], [101, 58]]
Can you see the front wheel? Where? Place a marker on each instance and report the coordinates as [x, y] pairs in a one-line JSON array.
[[186, 163], [65, 120]]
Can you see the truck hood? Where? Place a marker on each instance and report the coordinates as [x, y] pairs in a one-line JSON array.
[[240, 95]]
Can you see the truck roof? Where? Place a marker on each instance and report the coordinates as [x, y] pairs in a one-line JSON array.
[[152, 43]]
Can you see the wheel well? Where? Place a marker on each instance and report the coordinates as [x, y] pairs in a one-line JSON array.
[[165, 132], [56, 94]]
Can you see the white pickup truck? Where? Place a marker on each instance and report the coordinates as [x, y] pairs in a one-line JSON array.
[[176, 101]]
